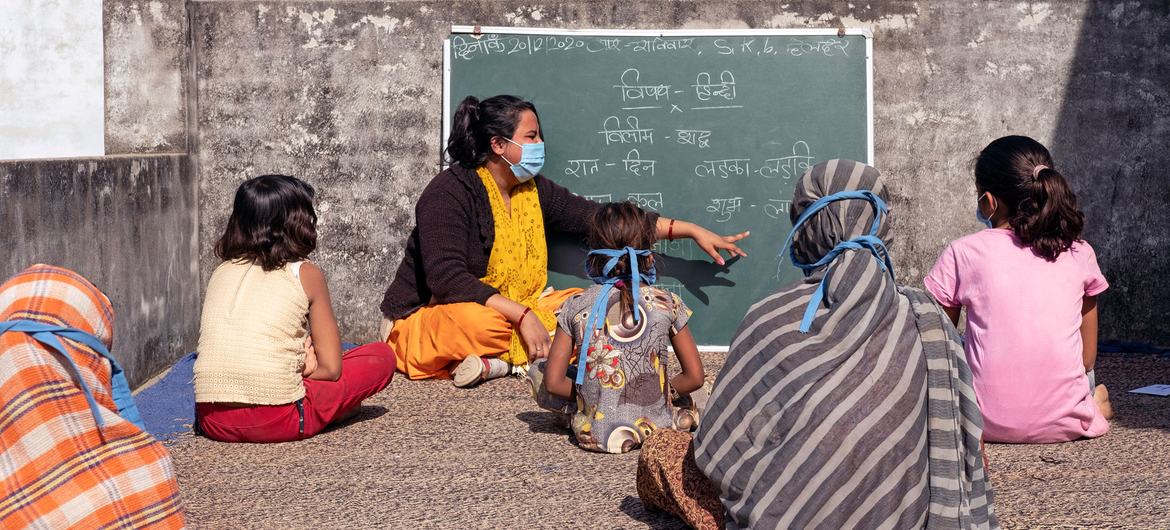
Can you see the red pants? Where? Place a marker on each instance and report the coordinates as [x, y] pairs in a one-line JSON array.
[[365, 371]]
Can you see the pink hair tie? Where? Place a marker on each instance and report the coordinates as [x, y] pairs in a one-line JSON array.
[[1037, 170]]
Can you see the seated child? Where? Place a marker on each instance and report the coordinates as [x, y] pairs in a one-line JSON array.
[[620, 330], [1029, 285], [269, 366]]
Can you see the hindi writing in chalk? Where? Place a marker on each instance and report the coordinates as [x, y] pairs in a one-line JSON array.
[[724, 168], [608, 197], [660, 44], [468, 47], [725, 208], [633, 90], [788, 166], [697, 137], [825, 47], [706, 90], [650, 201], [679, 248], [636, 165], [613, 132], [777, 208], [582, 168]]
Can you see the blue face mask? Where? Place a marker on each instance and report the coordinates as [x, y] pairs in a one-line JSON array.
[[531, 160], [979, 214]]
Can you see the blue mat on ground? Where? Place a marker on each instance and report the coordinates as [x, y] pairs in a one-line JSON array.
[[1123, 346], [168, 406]]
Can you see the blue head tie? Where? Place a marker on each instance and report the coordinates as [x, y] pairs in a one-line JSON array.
[[50, 335], [597, 312], [869, 242]]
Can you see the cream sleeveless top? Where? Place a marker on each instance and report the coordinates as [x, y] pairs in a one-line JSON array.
[[252, 336]]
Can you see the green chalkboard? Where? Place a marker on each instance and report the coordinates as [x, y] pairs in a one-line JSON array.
[[709, 126]]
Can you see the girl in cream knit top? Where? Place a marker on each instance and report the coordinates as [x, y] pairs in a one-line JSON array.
[[269, 366], [254, 341], [252, 336]]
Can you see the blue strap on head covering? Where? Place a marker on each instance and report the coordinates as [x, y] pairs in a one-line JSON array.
[[50, 335], [597, 312], [868, 242]]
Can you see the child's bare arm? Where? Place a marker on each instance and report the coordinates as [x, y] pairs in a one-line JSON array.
[[558, 363], [323, 325], [691, 377], [1089, 331]]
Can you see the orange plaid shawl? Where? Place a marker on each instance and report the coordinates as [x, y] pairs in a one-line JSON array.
[[57, 470]]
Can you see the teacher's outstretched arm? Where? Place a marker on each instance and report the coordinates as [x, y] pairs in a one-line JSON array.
[[709, 241]]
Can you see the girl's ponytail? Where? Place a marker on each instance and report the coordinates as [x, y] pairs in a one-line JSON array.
[[1048, 219], [1041, 206], [461, 144]]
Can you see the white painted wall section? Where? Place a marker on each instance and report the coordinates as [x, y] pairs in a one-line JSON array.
[[51, 79]]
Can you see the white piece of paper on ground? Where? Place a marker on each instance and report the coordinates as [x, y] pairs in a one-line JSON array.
[[1153, 390]]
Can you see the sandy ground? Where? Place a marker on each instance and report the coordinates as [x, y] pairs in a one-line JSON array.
[[424, 454]]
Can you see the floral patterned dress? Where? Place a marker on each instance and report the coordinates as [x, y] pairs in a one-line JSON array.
[[625, 396]]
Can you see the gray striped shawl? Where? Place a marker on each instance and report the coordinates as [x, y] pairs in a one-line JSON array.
[[867, 421]]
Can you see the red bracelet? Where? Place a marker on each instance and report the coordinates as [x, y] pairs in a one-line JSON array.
[[670, 231], [522, 315]]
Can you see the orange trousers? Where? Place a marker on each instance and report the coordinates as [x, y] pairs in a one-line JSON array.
[[433, 340]]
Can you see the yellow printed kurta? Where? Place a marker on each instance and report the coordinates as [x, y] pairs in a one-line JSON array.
[[518, 265]]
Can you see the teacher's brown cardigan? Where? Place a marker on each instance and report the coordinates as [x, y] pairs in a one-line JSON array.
[[448, 250]]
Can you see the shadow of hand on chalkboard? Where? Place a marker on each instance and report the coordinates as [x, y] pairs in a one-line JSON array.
[[696, 274], [567, 256]]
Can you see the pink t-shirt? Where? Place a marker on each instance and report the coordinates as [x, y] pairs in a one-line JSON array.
[[1023, 338]]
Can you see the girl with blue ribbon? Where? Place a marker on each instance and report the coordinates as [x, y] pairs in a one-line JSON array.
[[620, 330]]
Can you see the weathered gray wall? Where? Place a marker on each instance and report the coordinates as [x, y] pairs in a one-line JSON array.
[[146, 50], [128, 224], [1113, 135], [347, 95]]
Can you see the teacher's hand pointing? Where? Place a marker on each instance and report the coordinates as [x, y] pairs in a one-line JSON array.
[[709, 241]]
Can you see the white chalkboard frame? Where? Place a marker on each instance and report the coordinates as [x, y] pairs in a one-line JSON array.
[[714, 32]]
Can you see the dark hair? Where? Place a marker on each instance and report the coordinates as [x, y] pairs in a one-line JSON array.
[[618, 225], [1042, 208], [476, 122], [272, 222]]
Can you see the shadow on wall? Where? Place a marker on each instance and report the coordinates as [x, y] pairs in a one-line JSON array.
[[1113, 141]]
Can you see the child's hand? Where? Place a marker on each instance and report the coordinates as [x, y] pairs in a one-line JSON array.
[[310, 357]]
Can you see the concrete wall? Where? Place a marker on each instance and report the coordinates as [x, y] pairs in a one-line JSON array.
[[128, 224], [50, 78], [347, 96], [146, 53], [1113, 135]]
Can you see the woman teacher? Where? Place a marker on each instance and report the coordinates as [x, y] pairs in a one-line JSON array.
[[469, 300]]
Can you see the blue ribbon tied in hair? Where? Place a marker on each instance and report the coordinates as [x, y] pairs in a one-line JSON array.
[[51, 335], [869, 242], [607, 282]]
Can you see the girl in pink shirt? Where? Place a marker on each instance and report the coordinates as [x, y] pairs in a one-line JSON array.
[[1030, 286]]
